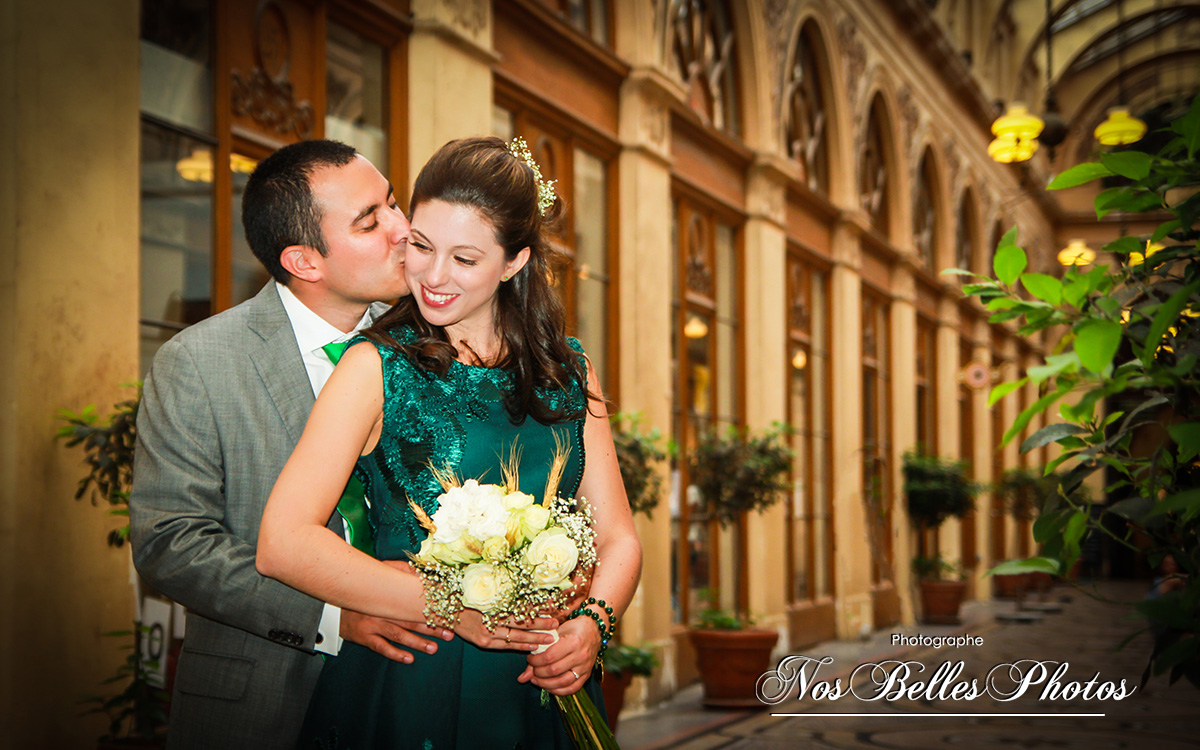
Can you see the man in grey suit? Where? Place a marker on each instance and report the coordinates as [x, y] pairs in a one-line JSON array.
[[223, 406]]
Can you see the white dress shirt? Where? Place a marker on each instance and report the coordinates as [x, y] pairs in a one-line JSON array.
[[313, 332]]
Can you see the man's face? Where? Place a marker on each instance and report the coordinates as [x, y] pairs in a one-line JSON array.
[[365, 233]]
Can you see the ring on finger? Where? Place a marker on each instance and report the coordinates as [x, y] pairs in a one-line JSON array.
[[572, 671], [507, 634]]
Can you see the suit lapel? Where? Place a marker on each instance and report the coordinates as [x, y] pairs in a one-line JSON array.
[[278, 362]]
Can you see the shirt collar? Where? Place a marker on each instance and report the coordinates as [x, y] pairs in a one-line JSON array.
[[312, 331]]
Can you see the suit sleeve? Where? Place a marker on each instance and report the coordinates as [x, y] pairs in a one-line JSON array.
[[177, 510]]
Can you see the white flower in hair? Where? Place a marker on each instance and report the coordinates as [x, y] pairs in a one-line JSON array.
[[520, 149]]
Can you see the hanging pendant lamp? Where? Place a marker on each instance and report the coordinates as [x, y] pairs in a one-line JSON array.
[[1120, 129]]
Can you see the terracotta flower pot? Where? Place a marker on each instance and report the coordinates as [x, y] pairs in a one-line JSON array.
[[614, 687], [940, 601], [1010, 586], [730, 663]]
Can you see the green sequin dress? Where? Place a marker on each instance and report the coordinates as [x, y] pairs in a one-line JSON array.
[[462, 697]]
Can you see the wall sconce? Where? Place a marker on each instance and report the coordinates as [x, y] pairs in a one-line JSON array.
[[1076, 253], [800, 359]]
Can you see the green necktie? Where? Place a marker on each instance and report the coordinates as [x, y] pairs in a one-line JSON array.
[[353, 505]]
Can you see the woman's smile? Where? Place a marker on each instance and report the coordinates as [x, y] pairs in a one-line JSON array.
[[437, 300]]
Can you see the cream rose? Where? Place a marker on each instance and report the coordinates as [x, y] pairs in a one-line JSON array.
[[495, 548], [485, 586], [514, 500], [553, 555]]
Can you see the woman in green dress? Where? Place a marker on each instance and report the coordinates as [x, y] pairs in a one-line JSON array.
[[475, 361]]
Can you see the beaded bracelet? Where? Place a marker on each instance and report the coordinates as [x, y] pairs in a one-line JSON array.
[[606, 632]]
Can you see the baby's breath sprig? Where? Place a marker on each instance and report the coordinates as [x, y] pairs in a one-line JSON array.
[[520, 149]]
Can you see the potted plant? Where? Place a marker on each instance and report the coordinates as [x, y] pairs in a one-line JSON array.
[[736, 472], [621, 664], [936, 489], [138, 713], [637, 456], [942, 588], [137, 716], [731, 655]]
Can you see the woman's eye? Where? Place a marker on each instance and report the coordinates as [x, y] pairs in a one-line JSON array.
[[418, 245], [467, 261]]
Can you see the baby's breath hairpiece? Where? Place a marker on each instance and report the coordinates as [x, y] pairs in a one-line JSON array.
[[520, 149]]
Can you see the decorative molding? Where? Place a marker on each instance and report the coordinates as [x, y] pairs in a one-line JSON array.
[[910, 115], [271, 104], [855, 53], [468, 16]]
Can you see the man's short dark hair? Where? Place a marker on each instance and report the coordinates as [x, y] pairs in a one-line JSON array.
[[278, 208]]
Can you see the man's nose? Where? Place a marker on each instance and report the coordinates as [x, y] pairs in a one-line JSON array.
[[398, 229]]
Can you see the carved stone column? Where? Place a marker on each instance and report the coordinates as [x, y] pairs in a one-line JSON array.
[[450, 77], [644, 325], [949, 441], [903, 321], [765, 285]]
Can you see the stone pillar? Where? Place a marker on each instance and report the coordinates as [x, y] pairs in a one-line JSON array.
[[644, 331], [852, 561], [949, 442], [68, 328], [765, 285], [449, 76], [903, 366], [981, 460], [1009, 409]]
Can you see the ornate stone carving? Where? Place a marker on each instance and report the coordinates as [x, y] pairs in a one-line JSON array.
[[265, 94], [953, 162], [469, 16], [910, 113], [855, 54]]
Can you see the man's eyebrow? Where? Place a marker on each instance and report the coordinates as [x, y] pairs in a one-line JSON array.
[[371, 208], [365, 213]]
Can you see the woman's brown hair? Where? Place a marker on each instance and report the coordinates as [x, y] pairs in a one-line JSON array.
[[482, 174]]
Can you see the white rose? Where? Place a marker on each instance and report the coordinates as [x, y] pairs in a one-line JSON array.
[[534, 519], [495, 548], [425, 554], [485, 586], [553, 556], [515, 500]]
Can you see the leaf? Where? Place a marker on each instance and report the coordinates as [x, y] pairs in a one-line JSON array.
[[1008, 238], [1138, 201], [1037, 407], [1043, 286], [1074, 529], [1008, 263], [1188, 128], [960, 272], [1164, 229], [1187, 502], [1096, 341], [1076, 291], [1049, 524], [1124, 246], [1002, 303], [1134, 509], [1079, 175], [1132, 164], [975, 289], [1056, 462], [1031, 565], [1167, 314], [1188, 437], [1005, 315], [1004, 389], [1050, 434]]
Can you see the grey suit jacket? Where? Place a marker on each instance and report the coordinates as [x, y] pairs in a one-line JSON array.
[[222, 408]]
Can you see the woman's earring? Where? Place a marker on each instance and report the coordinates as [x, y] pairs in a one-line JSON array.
[[504, 277]]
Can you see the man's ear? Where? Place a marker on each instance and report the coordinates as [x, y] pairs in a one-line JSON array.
[[303, 262]]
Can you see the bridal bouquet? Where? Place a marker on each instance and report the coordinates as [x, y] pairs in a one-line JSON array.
[[492, 548]]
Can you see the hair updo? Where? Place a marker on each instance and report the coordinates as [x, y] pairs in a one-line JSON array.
[[482, 174]]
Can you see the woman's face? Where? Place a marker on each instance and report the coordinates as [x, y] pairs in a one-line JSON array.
[[454, 268]]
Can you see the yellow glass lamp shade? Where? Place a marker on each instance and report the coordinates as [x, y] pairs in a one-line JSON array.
[[1008, 149], [1137, 259], [800, 359], [1076, 253], [1018, 123], [1120, 129], [695, 328]]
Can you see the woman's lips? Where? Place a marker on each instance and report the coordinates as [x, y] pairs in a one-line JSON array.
[[437, 300]]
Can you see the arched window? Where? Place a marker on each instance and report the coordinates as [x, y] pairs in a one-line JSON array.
[[703, 49], [964, 234], [873, 177], [805, 116], [925, 215]]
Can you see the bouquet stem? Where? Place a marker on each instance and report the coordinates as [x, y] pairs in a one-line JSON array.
[[588, 729]]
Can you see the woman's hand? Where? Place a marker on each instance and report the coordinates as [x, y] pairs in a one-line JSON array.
[[563, 668], [511, 635]]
